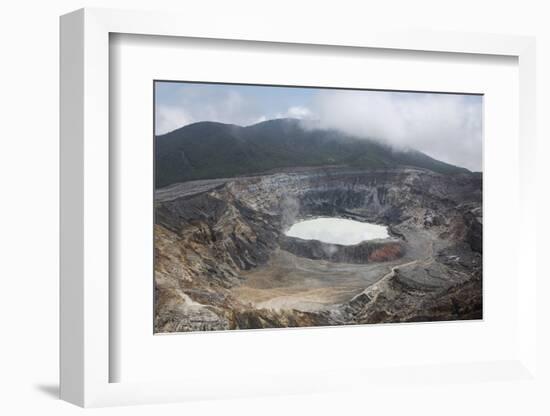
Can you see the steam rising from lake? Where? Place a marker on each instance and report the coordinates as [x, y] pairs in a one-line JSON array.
[[337, 231]]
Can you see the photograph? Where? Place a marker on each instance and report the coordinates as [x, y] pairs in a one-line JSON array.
[[298, 206]]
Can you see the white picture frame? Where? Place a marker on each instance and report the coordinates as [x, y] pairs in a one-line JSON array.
[[85, 355]]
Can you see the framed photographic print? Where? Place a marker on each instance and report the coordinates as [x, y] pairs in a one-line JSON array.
[[272, 212]]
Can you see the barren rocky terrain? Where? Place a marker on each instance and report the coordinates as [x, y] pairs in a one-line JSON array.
[[222, 260]]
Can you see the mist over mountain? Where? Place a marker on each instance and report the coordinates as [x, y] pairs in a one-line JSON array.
[[207, 150]]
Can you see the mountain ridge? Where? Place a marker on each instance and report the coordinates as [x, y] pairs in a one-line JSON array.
[[208, 149]]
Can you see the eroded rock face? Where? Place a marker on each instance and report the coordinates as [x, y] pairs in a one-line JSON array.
[[362, 253], [213, 236]]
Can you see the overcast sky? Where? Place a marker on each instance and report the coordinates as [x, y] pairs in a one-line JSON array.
[[447, 127]]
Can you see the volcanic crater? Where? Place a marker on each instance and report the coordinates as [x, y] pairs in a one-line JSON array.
[[223, 259]]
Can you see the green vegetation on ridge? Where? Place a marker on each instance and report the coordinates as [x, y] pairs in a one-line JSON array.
[[208, 150]]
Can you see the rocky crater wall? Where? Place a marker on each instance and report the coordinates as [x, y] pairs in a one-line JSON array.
[[207, 233], [362, 253], [237, 222]]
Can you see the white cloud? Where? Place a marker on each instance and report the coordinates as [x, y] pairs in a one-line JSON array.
[[260, 119], [191, 107], [445, 126], [299, 112], [168, 118]]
